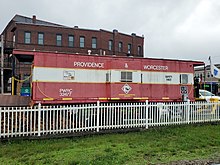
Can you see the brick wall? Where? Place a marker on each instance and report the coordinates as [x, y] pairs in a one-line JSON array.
[[50, 32]]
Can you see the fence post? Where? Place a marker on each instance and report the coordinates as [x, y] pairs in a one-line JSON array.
[[39, 117], [146, 111], [188, 110], [98, 111]]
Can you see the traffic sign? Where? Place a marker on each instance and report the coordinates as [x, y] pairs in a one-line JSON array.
[[183, 90]]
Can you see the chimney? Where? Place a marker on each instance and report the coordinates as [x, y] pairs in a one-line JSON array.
[[115, 31], [34, 18]]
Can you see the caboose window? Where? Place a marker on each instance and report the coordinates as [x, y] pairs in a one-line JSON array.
[[126, 76], [107, 77], [184, 79]]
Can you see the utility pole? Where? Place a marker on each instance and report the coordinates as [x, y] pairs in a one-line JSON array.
[[2, 64]]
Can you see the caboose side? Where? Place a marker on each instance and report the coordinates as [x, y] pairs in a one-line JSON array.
[[59, 78], [71, 78]]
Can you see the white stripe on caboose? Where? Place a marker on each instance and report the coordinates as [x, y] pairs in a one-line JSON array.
[[46, 74]]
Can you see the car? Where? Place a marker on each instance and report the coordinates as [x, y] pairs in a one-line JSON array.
[[208, 96]]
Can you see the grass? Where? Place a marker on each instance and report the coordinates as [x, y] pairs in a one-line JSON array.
[[153, 146]]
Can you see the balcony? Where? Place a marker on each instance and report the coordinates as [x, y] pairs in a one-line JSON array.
[[9, 44], [8, 47]]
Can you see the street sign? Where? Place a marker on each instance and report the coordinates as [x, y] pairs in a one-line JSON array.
[[183, 90]]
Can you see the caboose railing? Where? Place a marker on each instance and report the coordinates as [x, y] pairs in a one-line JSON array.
[[72, 119]]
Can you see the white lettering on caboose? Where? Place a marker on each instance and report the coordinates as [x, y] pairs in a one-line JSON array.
[[155, 67], [65, 92], [88, 64]]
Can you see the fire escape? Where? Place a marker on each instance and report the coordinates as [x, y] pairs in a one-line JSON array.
[[7, 65]]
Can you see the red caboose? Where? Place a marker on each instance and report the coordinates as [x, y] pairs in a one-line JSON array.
[[72, 78]]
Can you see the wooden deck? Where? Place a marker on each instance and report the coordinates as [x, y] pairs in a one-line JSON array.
[[9, 100]]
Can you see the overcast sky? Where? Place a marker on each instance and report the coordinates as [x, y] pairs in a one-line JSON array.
[[176, 29]]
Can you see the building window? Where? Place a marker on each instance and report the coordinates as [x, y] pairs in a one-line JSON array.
[[120, 46], [110, 45], [126, 76], [40, 38], [129, 48], [14, 39], [71, 41], [94, 42], [82, 42], [59, 40], [139, 51], [27, 37]]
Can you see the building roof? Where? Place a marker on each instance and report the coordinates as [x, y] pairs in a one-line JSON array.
[[19, 19], [27, 20]]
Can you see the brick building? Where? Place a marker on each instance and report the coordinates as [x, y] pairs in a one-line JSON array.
[[33, 34], [30, 33]]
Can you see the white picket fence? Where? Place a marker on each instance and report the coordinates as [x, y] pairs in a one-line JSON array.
[[72, 119]]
